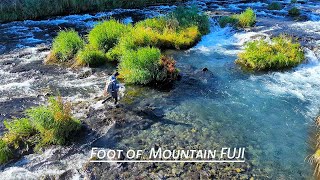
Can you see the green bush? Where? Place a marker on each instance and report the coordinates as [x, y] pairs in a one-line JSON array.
[[65, 46], [274, 6], [90, 56], [227, 20], [140, 66], [105, 35], [281, 53], [54, 122], [294, 12], [245, 19], [5, 152], [158, 24], [18, 130], [188, 17]]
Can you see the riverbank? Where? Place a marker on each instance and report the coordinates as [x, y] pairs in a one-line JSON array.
[[18, 10]]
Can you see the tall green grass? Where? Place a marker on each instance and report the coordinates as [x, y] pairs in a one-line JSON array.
[[281, 53], [105, 35], [140, 66], [43, 125], [11, 10], [65, 46], [114, 41], [242, 20]]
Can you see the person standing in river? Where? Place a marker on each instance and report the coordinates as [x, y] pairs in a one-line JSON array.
[[112, 87]]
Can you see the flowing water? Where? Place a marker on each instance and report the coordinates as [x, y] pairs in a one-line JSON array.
[[270, 114]]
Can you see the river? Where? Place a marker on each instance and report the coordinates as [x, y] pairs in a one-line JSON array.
[[271, 114]]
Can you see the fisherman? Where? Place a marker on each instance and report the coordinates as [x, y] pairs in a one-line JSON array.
[[112, 87]]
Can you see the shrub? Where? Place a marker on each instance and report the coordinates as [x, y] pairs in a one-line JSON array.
[[18, 130], [227, 20], [105, 35], [54, 122], [274, 6], [65, 46], [245, 19], [294, 12], [157, 24], [182, 39], [188, 17], [5, 152], [136, 38], [140, 66], [91, 57], [281, 53]]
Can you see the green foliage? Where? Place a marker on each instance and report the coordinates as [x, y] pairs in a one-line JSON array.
[[188, 17], [11, 10], [158, 24], [52, 124], [105, 35], [274, 6], [90, 56], [281, 53], [18, 130], [294, 12], [55, 122], [293, 1], [5, 152], [243, 20], [140, 66], [246, 18], [65, 46], [227, 20]]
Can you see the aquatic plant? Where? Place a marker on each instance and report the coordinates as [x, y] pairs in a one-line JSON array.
[[227, 20], [243, 20], [5, 152], [246, 18], [91, 57], [105, 35], [65, 46], [188, 17], [54, 122], [274, 6], [294, 12], [18, 130], [144, 66], [281, 53]]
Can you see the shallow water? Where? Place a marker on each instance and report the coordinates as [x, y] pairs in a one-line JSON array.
[[270, 114]]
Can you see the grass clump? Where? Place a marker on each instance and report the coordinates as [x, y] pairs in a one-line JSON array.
[[65, 46], [5, 152], [281, 53], [294, 12], [274, 6], [54, 122], [140, 66], [91, 57], [188, 17], [43, 125], [114, 41], [146, 65], [105, 35], [242, 20]]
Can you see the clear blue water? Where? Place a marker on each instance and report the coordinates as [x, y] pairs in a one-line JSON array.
[[227, 107]]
